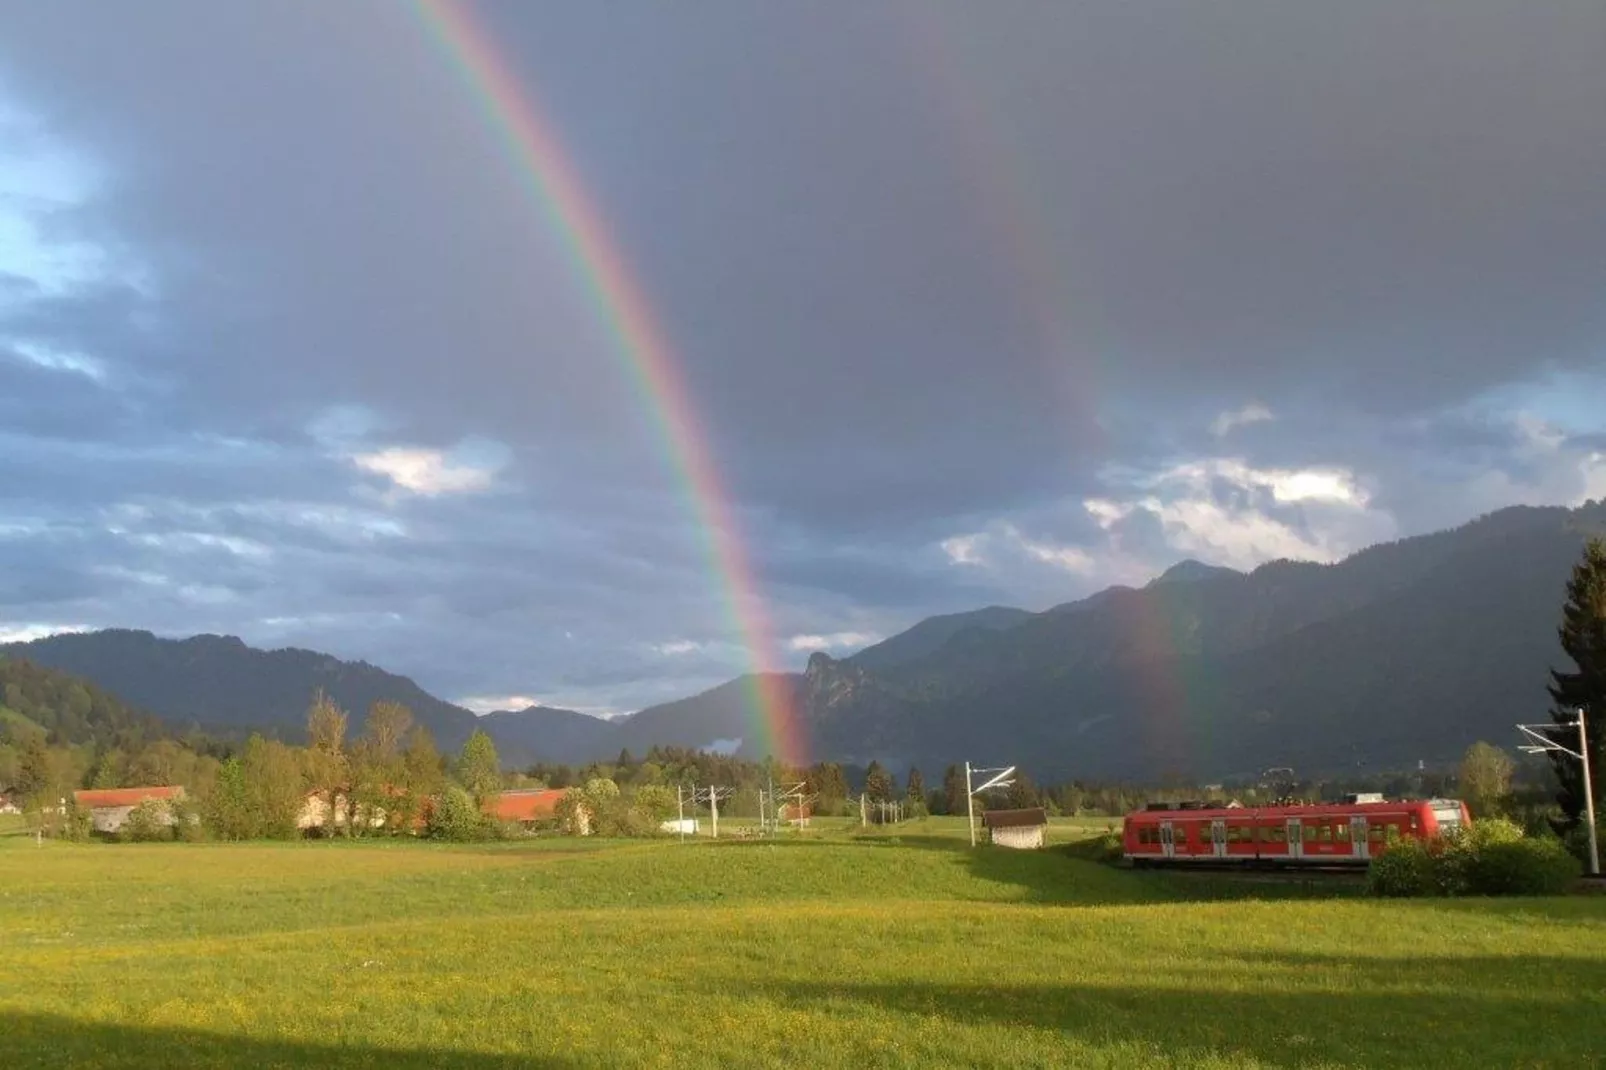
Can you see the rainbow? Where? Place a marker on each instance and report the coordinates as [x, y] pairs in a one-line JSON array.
[[551, 180]]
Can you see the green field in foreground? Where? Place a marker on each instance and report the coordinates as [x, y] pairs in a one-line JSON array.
[[901, 949]]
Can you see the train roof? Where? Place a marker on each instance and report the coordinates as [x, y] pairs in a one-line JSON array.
[[1368, 806]]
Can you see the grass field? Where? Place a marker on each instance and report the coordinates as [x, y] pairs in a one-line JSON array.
[[895, 949]]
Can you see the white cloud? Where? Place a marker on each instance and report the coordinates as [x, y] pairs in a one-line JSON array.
[[1070, 558], [483, 704], [428, 473], [1253, 413], [1331, 484], [677, 647], [1313, 514], [964, 549], [1593, 471], [831, 641], [59, 360], [17, 632]]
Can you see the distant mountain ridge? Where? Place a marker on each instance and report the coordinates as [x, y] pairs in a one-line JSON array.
[[218, 682], [1405, 650]]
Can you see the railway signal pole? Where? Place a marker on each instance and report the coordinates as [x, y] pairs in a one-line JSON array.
[[1003, 778], [1543, 742], [711, 795]]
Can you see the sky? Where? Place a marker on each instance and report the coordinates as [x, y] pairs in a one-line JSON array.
[[971, 304]]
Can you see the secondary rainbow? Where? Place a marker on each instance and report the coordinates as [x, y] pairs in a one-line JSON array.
[[532, 145]]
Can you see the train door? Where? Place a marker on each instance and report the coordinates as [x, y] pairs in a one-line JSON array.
[[1357, 837], [1296, 839], [1218, 837], [1168, 846]]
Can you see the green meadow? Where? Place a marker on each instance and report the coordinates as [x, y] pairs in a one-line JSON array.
[[844, 948]]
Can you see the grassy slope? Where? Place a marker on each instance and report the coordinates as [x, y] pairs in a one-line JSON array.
[[848, 952]]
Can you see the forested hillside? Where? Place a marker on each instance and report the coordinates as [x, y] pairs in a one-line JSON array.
[[220, 683]]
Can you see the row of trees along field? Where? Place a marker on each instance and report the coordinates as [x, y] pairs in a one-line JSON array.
[[59, 733]]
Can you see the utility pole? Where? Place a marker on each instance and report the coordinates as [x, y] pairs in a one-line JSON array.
[[711, 795], [1002, 778], [680, 813], [1543, 742]]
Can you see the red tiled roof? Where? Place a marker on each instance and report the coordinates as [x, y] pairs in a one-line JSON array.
[[100, 797], [526, 805]]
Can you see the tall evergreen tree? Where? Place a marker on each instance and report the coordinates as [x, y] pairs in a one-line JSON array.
[[828, 786], [915, 786], [953, 789], [1583, 638], [878, 783]]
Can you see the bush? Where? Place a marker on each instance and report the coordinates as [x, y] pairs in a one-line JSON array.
[[1105, 847], [456, 818], [187, 823], [1492, 857], [1523, 867], [1406, 870], [147, 822], [1458, 852]]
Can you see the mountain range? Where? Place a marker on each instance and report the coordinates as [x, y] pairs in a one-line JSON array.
[[1403, 652]]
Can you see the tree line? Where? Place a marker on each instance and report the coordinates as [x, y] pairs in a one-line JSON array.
[[59, 733]]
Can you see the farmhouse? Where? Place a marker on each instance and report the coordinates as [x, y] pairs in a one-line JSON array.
[[1017, 828], [109, 807], [9, 803], [527, 806]]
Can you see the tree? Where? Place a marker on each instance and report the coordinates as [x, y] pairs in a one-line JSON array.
[[656, 800], [421, 779], [915, 787], [377, 768], [1485, 778], [479, 770], [954, 791], [33, 770], [273, 776], [1022, 794], [228, 810], [327, 770], [878, 783], [828, 786], [387, 726], [1583, 638]]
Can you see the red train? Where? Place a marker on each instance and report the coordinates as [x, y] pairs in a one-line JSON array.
[[1324, 834]]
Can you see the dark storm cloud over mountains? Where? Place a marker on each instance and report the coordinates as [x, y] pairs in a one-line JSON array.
[[974, 305]]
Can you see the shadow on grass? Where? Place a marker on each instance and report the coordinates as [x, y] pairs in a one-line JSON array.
[[44, 1040], [1357, 1012]]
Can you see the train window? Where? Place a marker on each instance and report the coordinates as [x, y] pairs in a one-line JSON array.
[[1393, 833], [1279, 834], [1204, 834], [1310, 833], [1341, 832], [1374, 833], [1324, 833]]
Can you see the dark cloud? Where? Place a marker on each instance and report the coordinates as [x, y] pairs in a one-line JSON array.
[[963, 299]]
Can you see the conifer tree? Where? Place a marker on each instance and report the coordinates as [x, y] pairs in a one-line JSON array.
[[1583, 638], [915, 786], [878, 783], [953, 789]]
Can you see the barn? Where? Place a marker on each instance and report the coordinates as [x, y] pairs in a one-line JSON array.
[[1021, 829], [529, 807], [109, 807]]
